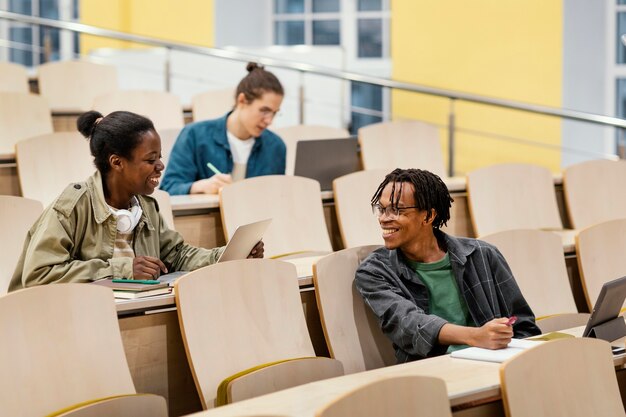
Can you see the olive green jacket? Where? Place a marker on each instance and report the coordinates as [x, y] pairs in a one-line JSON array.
[[73, 241]]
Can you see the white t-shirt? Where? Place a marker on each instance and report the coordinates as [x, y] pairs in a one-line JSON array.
[[241, 152], [240, 148]]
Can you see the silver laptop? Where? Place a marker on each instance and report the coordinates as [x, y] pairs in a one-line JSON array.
[[238, 247]]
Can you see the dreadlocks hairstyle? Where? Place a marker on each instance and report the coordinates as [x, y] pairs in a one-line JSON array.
[[430, 192]]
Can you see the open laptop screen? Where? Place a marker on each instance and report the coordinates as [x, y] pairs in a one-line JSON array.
[[326, 159], [605, 322]]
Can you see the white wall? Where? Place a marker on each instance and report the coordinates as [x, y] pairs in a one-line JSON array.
[[584, 78]]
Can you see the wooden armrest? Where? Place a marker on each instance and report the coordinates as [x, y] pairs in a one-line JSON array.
[[276, 376]]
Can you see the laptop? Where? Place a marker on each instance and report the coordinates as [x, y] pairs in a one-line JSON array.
[[605, 322], [326, 159], [238, 247]]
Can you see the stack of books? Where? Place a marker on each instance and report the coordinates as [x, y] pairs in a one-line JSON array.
[[130, 289]]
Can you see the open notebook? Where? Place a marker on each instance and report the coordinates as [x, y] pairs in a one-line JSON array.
[[479, 354]]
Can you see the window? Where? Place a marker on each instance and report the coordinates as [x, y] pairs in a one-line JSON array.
[[307, 22], [31, 45], [361, 27]]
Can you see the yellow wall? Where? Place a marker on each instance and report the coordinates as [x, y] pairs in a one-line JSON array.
[[498, 48], [190, 21]]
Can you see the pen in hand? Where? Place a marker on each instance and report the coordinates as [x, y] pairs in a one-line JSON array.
[[511, 321], [212, 168]]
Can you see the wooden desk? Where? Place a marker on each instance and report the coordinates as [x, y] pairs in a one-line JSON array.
[[473, 388]]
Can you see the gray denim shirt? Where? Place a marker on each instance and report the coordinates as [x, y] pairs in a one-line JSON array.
[[400, 300]]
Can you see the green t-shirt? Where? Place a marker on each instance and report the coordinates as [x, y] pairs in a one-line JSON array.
[[445, 299]]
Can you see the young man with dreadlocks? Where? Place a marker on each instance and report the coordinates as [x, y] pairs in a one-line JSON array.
[[434, 293]]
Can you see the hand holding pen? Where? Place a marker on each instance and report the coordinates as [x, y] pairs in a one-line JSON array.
[[213, 184]]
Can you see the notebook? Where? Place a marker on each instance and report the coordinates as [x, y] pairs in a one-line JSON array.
[[326, 159], [499, 355]]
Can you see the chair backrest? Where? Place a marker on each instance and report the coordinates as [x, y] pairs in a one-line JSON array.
[[212, 104], [352, 332], [168, 139], [567, 377], [401, 144], [594, 192], [401, 396], [46, 164], [18, 215], [512, 196], [165, 207], [73, 85], [536, 259], [353, 194], [13, 78], [164, 109], [600, 254], [62, 345], [138, 405], [292, 134], [22, 116], [239, 314], [293, 203]]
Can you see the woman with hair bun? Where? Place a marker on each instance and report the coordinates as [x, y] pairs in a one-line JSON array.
[[108, 226], [210, 154]]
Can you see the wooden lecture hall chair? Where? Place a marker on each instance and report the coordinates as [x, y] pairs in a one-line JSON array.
[[164, 109], [13, 78], [567, 377], [18, 216], [165, 207], [168, 139], [594, 192], [292, 134], [537, 262], [601, 256], [293, 203], [22, 116], [72, 86], [351, 330], [353, 193], [401, 144], [253, 308], [46, 164], [212, 104], [515, 196], [65, 351], [400, 396]]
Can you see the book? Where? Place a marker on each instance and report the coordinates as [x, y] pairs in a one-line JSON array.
[[499, 355], [131, 295], [134, 289]]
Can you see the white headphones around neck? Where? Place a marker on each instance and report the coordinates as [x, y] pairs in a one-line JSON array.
[[128, 219]]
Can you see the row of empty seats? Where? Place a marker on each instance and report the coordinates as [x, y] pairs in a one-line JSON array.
[[74, 87]]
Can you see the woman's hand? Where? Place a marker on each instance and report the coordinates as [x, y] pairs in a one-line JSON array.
[[147, 267], [211, 185], [257, 250]]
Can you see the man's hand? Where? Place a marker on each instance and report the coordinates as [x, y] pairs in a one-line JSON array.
[[257, 250], [211, 185], [495, 334], [147, 267]]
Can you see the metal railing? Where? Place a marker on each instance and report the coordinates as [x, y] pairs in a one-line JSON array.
[[303, 68]]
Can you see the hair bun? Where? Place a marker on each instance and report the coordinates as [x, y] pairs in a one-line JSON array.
[[252, 66], [87, 122]]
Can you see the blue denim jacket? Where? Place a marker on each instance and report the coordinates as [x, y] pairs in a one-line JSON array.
[[206, 141], [400, 300]]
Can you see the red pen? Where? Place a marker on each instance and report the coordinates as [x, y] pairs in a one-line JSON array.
[[511, 321]]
